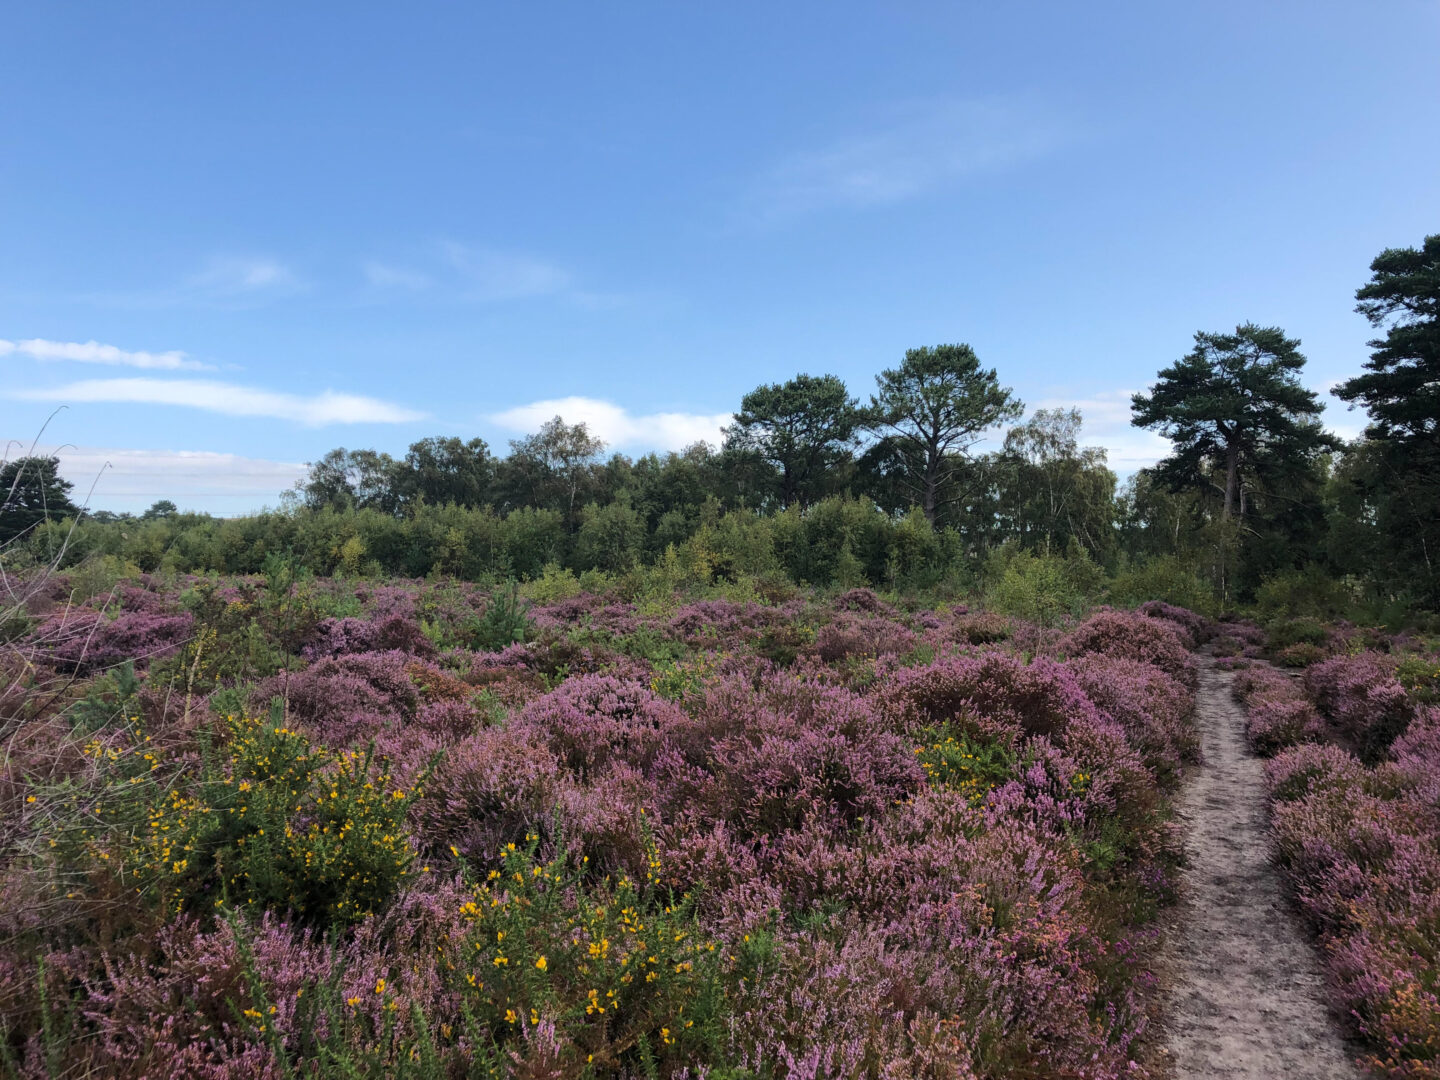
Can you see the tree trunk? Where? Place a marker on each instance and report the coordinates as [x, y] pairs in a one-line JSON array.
[[1232, 477], [933, 465]]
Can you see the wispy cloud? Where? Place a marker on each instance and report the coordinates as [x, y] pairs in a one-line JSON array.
[[230, 276], [132, 479], [450, 271], [486, 274], [226, 282], [93, 352], [385, 276], [911, 150], [616, 425], [316, 410]]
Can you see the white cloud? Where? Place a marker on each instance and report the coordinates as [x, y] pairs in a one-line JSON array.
[[313, 411], [489, 275], [616, 425], [131, 479], [1107, 424], [916, 148], [93, 352]]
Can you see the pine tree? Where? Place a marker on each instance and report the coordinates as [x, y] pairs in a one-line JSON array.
[[31, 491], [1229, 405]]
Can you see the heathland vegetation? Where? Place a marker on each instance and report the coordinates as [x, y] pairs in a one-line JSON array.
[[1257, 503], [842, 750]]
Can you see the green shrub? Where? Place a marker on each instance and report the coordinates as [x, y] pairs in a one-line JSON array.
[[280, 824], [621, 969], [782, 644], [1420, 675], [503, 624], [1043, 589], [107, 698], [1300, 655], [1170, 579], [1312, 592], [554, 584], [1304, 630]]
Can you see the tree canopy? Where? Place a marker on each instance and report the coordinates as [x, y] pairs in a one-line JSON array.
[[804, 428], [1230, 403], [929, 412], [31, 491], [1394, 480]]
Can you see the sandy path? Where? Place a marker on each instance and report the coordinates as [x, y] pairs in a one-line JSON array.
[[1247, 997]]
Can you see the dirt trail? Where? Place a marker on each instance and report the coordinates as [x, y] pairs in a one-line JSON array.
[[1246, 991]]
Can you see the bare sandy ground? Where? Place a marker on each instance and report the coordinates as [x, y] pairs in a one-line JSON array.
[[1246, 997]]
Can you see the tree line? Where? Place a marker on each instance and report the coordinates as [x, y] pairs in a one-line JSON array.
[[1254, 488]]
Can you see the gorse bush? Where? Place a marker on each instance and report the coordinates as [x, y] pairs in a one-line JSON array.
[[282, 825], [970, 766], [618, 973], [1420, 676]]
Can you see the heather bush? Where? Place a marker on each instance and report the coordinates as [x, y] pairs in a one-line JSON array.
[[863, 601], [722, 622], [981, 628], [346, 698], [990, 695], [849, 636], [83, 640], [788, 752], [1226, 647], [1153, 708], [1135, 637], [1279, 715], [337, 637], [1307, 770], [591, 721], [487, 790], [1198, 628], [660, 837], [1361, 695], [1360, 844]]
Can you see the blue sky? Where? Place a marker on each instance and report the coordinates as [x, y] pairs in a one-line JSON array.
[[235, 236]]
